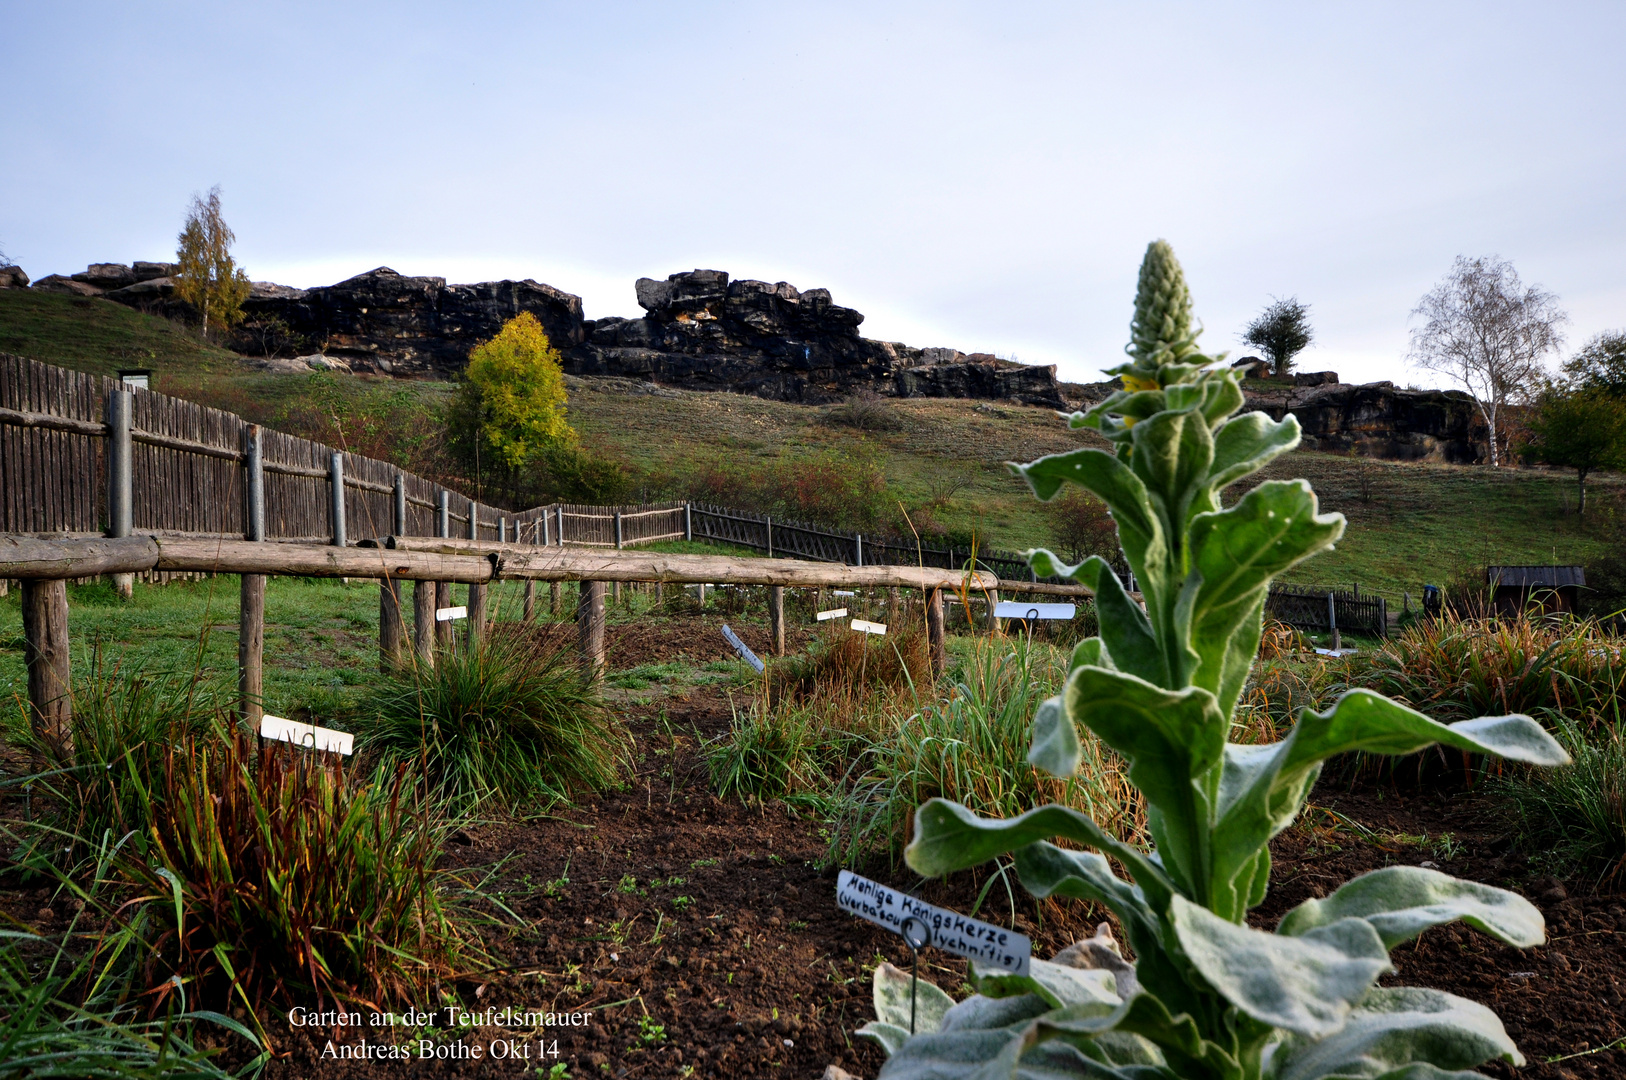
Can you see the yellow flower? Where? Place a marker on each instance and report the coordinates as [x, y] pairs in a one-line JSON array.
[[1135, 384]]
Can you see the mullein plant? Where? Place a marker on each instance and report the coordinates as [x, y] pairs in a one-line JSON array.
[[1208, 995]]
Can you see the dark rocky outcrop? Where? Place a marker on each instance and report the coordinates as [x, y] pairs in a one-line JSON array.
[[702, 331], [1378, 419], [12, 277]]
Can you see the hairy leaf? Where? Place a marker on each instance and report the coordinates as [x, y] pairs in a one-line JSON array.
[[1395, 1028], [892, 988], [1247, 444], [1306, 984], [1171, 741], [1402, 901], [1055, 748], [1058, 984]]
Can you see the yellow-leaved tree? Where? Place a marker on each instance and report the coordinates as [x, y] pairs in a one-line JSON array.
[[206, 276], [509, 411]]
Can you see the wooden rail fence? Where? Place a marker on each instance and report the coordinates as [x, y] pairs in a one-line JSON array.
[[1330, 611]]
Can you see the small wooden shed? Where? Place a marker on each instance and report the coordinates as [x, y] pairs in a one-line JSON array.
[[1549, 588]]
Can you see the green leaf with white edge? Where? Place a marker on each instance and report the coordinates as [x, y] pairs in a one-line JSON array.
[[978, 1011], [1222, 397], [1393, 1029], [1262, 788], [1234, 554], [1059, 985], [1055, 747], [1117, 485], [1091, 652], [1307, 984], [1421, 1070], [1247, 444], [1127, 633], [1176, 1036], [1402, 901], [892, 988], [1046, 563], [890, 1036], [1173, 451], [997, 1055], [1172, 741], [948, 837]]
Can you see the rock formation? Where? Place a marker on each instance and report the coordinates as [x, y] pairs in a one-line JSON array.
[[12, 277], [1377, 419], [701, 331]]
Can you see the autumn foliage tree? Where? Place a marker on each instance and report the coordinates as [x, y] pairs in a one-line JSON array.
[[508, 416], [1581, 428], [207, 277]]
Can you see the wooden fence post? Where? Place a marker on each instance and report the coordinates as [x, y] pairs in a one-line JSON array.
[[934, 630], [688, 522], [251, 588], [618, 529], [858, 546], [120, 477], [993, 602], [561, 526], [391, 619], [776, 618], [45, 652], [443, 589], [423, 622], [1332, 621], [477, 589], [770, 536], [336, 483], [590, 618]]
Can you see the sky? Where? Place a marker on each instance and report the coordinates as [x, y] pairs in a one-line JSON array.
[[979, 176]]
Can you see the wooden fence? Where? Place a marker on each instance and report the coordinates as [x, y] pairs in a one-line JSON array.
[[1328, 610]]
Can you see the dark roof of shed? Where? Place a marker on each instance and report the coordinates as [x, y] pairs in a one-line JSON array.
[[1535, 577]]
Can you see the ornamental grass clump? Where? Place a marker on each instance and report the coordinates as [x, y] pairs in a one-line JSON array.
[[1211, 996], [512, 721]]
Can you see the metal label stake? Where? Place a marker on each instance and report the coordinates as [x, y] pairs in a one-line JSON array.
[[917, 935]]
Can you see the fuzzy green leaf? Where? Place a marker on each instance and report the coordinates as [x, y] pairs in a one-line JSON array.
[[1306, 984], [1171, 741], [1055, 748], [1393, 1030], [1128, 634], [1173, 451], [948, 837], [1117, 485], [1236, 552], [1247, 444], [1263, 787], [1059, 985], [1402, 901], [890, 1036], [892, 995]]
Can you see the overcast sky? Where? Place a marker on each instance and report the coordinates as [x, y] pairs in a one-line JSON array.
[[981, 176]]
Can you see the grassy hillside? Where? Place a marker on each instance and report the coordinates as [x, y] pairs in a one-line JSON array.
[[944, 462]]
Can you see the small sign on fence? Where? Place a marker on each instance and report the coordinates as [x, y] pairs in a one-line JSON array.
[[869, 627], [948, 930], [842, 592], [307, 735], [833, 613], [447, 614], [1013, 609], [743, 649]]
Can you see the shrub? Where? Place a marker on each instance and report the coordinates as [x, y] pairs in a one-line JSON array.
[[1574, 817], [1211, 996], [285, 874], [865, 411], [971, 746], [769, 752], [512, 721], [1082, 526]]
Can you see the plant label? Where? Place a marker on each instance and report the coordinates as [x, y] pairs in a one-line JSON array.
[[447, 614], [743, 649], [869, 627], [1013, 609], [842, 592], [307, 735], [833, 613], [950, 931]]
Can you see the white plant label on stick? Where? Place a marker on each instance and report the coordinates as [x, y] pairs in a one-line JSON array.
[[950, 931], [309, 736], [447, 614], [743, 649], [1014, 609], [869, 627], [833, 613], [842, 592]]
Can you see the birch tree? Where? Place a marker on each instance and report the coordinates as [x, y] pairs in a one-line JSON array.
[[207, 277], [1484, 330]]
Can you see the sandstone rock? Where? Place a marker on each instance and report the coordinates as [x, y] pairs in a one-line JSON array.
[[300, 365], [147, 289], [12, 277], [146, 271], [388, 322], [56, 283], [107, 276]]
